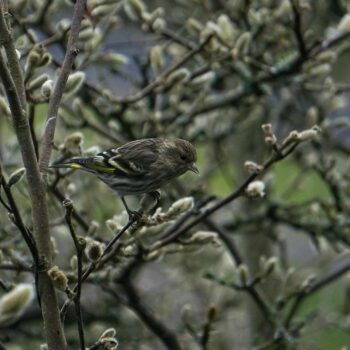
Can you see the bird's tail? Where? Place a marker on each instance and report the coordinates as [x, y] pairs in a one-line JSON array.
[[90, 164], [74, 163]]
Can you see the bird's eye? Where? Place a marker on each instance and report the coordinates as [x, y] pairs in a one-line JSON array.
[[183, 157]]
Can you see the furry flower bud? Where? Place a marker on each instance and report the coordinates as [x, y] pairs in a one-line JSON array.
[[256, 189], [16, 176], [58, 278], [14, 303]]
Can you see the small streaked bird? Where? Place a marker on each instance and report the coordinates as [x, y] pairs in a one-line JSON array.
[[140, 166]]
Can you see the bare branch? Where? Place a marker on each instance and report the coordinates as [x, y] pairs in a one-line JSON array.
[[57, 93]]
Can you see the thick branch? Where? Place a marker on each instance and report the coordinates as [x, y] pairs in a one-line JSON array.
[[54, 332]]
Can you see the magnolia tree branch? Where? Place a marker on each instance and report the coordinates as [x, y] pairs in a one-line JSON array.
[[53, 329], [60, 84], [183, 224], [7, 43]]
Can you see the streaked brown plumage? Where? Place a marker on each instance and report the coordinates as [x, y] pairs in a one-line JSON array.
[[140, 166]]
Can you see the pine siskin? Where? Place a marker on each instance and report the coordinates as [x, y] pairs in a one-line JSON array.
[[140, 166]]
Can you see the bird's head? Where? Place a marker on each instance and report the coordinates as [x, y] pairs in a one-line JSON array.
[[181, 156]]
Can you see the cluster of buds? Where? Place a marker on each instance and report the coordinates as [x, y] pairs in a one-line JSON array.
[[37, 57], [176, 209], [270, 137], [306, 135], [137, 11]]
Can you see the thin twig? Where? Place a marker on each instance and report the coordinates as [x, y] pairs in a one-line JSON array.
[[91, 268], [161, 78], [79, 247], [297, 29], [60, 84], [175, 230]]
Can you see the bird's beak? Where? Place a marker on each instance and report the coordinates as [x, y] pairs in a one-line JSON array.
[[193, 167]]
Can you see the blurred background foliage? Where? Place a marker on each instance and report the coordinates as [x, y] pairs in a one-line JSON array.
[[211, 72]]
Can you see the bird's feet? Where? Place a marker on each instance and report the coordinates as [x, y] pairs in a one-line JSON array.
[[135, 215]]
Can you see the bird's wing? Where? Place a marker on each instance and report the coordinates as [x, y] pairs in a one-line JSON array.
[[92, 164], [134, 158]]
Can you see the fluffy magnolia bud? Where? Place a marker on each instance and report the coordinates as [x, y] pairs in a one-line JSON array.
[[16, 176], [78, 107], [130, 250], [256, 189], [14, 303], [71, 188], [58, 278], [47, 88], [292, 137], [242, 45], [112, 225], [53, 246], [181, 206], [94, 250], [344, 24], [180, 75], [194, 25], [242, 275], [312, 115], [92, 151], [270, 265], [204, 78], [226, 29], [73, 142], [115, 59], [103, 10], [328, 56], [307, 283], [320, 70], [309, 134], [135, 9], [73, 262], [63, 25], [86, 34], [109, 333], [204, 237], [157, 58], [158, 25], [253, 167], [45, 59], [270, 137], [94, 226], [38, 82], [74, 83]]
